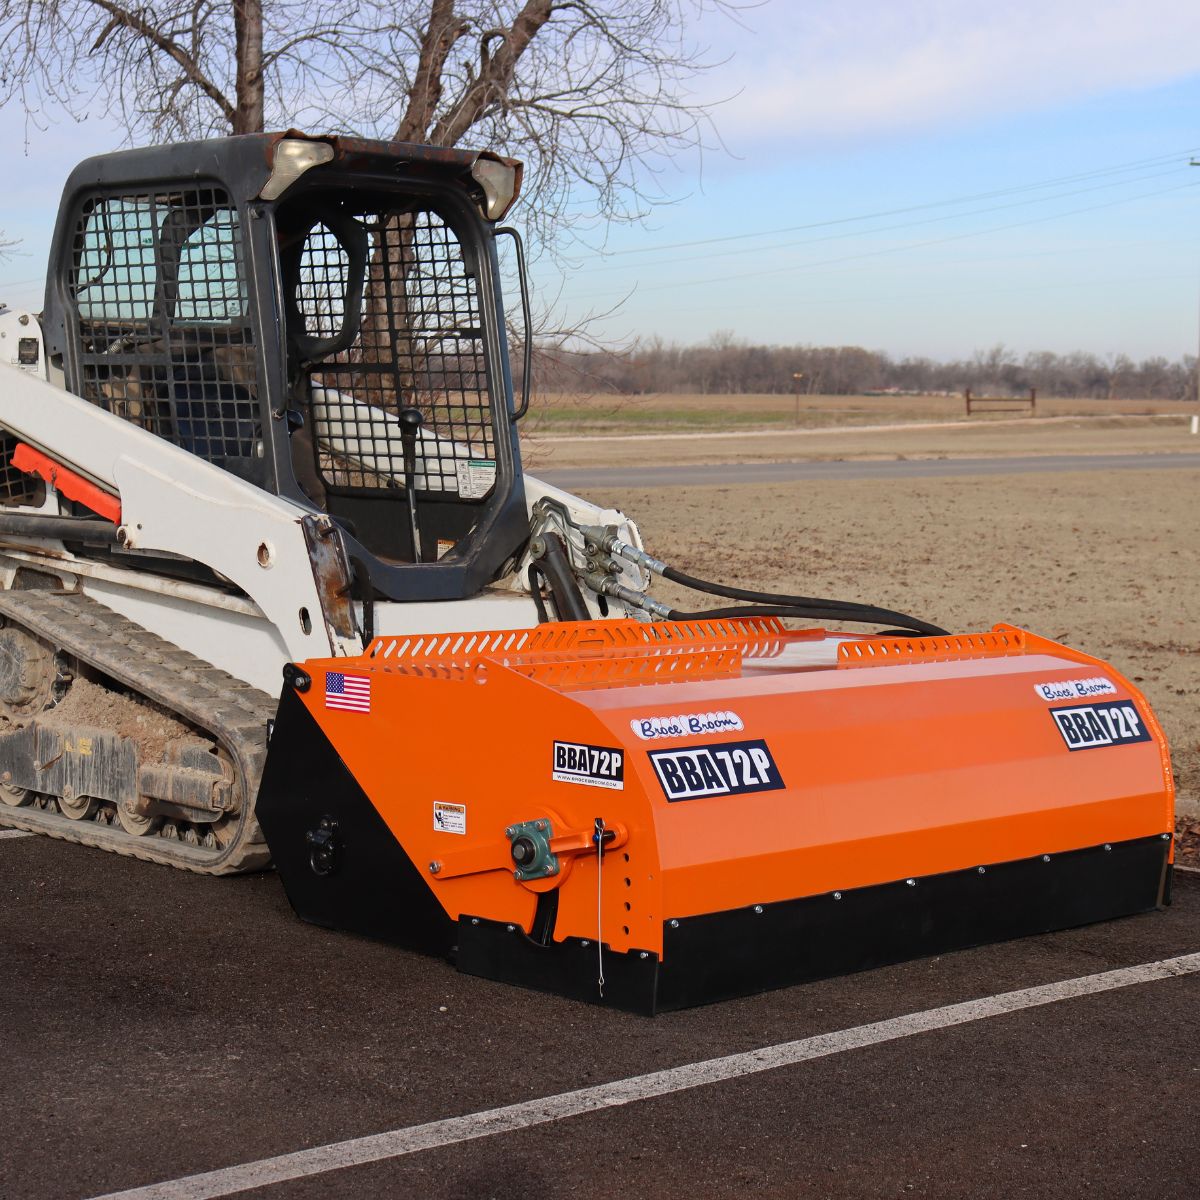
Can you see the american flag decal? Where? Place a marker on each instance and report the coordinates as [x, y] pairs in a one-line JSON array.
[[349, 692]]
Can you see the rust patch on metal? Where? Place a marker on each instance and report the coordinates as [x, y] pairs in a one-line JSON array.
[[331, 574]]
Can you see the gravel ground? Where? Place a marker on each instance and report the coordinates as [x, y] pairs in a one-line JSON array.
[[159, 1023], [1109, 564]]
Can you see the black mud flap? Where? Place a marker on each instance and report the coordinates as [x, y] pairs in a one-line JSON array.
[[341, 865], [722, 955], [571, 968]]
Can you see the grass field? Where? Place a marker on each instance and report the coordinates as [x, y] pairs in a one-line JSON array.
[[563, 413]]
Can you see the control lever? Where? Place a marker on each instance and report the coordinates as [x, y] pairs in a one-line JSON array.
[[411, 420]]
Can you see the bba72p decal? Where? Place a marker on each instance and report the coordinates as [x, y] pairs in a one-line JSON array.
[[1091, 726], [725, 769], [593, 766]]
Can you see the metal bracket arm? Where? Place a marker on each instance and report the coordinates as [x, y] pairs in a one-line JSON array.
[[497, 856]]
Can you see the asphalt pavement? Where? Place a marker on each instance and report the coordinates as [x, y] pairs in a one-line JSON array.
[[725, 474], [159, 1024]]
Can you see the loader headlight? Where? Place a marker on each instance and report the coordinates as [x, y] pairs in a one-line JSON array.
[[292, 158], [499, 182]]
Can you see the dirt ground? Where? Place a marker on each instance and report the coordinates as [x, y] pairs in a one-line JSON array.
[[1109, 564]]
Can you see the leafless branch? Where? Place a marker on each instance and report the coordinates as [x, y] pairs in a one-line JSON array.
[[124, 18], [597, 98]]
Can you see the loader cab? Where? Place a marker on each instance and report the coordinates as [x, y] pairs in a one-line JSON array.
[[321, 317]]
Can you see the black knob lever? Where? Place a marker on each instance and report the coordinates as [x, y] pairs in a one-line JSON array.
[[411, 420]]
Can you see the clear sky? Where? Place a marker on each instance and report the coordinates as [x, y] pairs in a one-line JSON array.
[[1021, 170]]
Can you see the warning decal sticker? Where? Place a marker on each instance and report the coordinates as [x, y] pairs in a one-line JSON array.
[[476, 477], [449, 818]]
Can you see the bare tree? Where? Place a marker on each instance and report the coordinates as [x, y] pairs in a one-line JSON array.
[[725, 364], [594, 96]]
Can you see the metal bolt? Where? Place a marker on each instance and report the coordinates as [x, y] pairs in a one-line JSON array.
[[758, 909], [982, 870], [517, 876], [474, 920], [540, 826], [644, 954], [511, 831], [1166, 837], [673, 924], [837, 895], [434, 867], [1045, 858], [585, 943], [1107, 845], [511, 928], [911, 882]]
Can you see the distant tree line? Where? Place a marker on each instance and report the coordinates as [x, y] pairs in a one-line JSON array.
[[724, 365]]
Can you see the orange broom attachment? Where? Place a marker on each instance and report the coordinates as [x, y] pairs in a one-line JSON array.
[[657, 815]]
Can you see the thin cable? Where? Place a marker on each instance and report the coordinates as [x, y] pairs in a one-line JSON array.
[[892, 212], [599, 836], [854, 233], [957, 237]]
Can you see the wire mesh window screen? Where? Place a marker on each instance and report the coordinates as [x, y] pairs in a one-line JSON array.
[[418, 344], [162, 320], [324, 279]]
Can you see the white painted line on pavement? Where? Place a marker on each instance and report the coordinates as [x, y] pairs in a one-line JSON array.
[[415, 1138], [11, 833]]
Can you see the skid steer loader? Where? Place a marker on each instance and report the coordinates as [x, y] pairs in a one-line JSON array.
[[275, 588]]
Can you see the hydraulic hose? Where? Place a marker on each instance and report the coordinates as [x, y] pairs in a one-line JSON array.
[[753, 597], [855, 614], [89, 530], [549, 559], [776, 605]]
